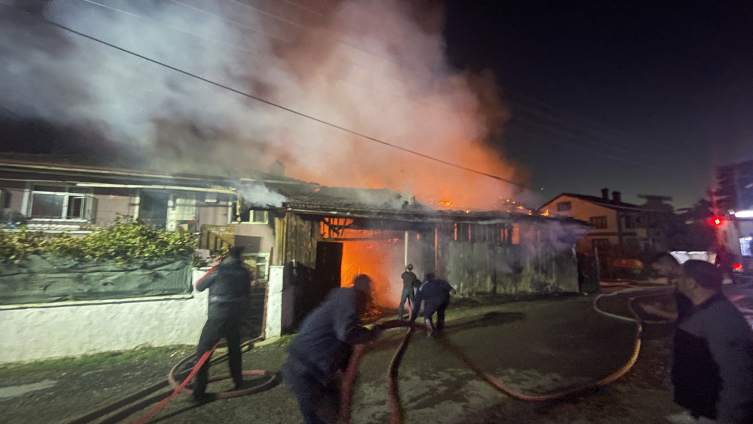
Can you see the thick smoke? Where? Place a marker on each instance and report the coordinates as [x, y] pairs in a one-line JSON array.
[[260, 195], [366, 65]]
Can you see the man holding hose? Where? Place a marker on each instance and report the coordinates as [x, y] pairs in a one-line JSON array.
[[323, 347]]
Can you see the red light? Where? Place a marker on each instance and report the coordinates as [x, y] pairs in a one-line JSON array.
[[738, 267], [717, 221]]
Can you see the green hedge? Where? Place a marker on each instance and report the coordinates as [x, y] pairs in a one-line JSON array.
[[126, 240]]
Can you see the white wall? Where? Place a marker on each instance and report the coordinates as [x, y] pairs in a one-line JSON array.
[[45, 331]]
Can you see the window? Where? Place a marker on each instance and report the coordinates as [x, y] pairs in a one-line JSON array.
[[564, 206], [251, 216], [258, 262], [598, 222], [601, 244], [629, 221], [61, 202], [153, 208], [745, 246]]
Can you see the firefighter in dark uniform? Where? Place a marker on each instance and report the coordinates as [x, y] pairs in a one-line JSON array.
[[229, 285], [435, 294], [323, 347]]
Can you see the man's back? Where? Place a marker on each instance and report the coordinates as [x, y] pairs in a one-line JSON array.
[[322, 341], [409, 279], [713, 361]]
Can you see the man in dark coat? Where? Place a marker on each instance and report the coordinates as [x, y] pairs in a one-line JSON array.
[[229, 285], [323, 347], [435, 294], [712, 369], [410, 282]]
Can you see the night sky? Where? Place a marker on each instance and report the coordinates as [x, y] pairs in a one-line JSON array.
[[640, 98], [643, 99]]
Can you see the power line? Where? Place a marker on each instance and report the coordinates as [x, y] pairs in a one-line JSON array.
[[538, 111], [575, 146], [585, 138], [258, 52], [259, 99]]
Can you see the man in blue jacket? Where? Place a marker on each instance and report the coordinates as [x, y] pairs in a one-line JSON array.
[[323, 346], [229, 285], [712, 370], [435, 294]]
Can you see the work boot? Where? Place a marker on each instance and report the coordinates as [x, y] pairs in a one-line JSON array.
[[429, 327], [204, 397]]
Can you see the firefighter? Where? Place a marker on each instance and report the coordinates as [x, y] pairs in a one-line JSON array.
[[410, 283], [229, 285], [435, 294], [323, 347]]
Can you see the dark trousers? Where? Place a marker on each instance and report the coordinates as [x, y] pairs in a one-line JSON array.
[[406, 295], [217, 327], [438, 306], [319, 403]]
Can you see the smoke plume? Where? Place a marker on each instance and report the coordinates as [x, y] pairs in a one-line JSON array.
[[376, 67]]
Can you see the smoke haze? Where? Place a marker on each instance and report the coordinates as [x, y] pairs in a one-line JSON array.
[[376, 67]]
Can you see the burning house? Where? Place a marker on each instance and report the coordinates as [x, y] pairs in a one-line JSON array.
[[302, 238]]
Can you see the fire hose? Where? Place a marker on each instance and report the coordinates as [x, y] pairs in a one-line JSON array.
[[137, 401], [396, 412]]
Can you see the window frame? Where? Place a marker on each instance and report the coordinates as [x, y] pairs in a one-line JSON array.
[[604, 241], [85, 194], [599, 222], [564, 206], [264, 280]]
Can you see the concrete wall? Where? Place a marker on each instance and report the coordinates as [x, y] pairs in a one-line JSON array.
[[280, 305], [34, 332]]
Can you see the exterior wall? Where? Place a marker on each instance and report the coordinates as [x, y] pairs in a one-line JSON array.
[[583, 211], [280, 311], [264, 231], [32, 332], [16, 198], [108, 206], [485, 268]]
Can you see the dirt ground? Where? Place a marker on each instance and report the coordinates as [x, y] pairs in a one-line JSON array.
[[534, 344]]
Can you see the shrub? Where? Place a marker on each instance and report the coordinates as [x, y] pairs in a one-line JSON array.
[[128, 239]]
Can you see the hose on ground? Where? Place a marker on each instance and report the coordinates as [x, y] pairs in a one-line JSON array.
[[622, 370], [135, 402]]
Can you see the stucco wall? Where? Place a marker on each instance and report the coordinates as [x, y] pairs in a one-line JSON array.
[[264, 231], [34, 332], [16, 198], [109, 206]]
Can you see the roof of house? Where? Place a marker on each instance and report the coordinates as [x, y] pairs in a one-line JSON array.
[[607, 203], [299, 196]]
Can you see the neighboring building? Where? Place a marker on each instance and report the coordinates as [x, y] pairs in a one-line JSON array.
[[615, 224], [736, 229]]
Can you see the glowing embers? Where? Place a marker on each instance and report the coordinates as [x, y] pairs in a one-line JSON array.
[[445, 203]]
